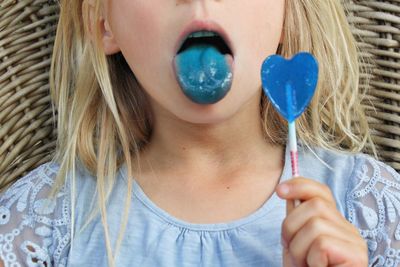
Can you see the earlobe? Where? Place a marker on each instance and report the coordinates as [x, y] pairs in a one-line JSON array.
[[109, 43]]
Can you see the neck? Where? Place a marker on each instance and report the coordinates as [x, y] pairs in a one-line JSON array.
[[235, 145]]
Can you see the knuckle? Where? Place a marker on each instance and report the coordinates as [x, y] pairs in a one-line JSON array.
[[327, 191], [318, 205], [326, 188], [315, 224], [321, 243]]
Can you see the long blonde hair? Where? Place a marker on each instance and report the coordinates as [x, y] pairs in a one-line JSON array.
[[97, 95]]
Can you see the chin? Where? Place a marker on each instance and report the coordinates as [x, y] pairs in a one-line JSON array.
[[217, 113]]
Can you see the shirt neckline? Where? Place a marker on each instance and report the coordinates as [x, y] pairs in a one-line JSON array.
[[266, 207]]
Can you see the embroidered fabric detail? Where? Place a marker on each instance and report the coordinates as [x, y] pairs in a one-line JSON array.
[[34, 229], [373, 205]]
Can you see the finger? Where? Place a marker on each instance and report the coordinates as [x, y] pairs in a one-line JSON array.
[[315, 227], [315, 207], [331, 251], [304, 189], [290, 206], [287, 260]]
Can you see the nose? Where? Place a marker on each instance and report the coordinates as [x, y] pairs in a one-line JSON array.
[[199, 7]]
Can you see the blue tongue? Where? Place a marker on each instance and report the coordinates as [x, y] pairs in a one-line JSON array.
[[204, 74]]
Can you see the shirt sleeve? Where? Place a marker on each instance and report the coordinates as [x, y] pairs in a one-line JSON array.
[[34, 228], [373, 205]]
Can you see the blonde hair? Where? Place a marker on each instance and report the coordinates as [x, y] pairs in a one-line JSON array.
[[96, 96]]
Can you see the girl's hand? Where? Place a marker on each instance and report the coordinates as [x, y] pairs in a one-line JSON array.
[[315, 232]]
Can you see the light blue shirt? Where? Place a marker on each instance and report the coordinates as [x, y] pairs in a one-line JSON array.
[[34, 229]]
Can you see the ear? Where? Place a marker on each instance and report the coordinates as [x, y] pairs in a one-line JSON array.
[[109, 43]]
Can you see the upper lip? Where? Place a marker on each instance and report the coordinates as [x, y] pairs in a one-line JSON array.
[[203, 25]]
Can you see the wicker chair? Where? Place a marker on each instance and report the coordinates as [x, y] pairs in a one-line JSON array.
[[27, 136], [27, 132]]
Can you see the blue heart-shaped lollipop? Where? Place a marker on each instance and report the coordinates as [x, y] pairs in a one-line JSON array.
[[290, 84]]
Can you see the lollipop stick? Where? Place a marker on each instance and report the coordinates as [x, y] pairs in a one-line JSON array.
[[292, 135], [293, 153], [293, 148]]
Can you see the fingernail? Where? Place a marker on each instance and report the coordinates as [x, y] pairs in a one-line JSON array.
[[283, 189]]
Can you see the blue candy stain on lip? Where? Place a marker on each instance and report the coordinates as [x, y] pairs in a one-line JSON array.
[[204, 73]]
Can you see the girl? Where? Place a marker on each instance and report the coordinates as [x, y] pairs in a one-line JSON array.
[[144, 176]]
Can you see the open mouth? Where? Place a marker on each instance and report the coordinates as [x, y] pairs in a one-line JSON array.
[[204, 67], [209, 38]]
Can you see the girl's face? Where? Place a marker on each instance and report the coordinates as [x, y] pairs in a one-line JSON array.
[[148, 33]]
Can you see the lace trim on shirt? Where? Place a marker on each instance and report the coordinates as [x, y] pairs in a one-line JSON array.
[[34, 229], [373, 206]]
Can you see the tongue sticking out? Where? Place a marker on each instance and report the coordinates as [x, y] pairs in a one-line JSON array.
[[204, 73]]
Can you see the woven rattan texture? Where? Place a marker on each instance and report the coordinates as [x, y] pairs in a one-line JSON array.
[[27, 137], [27, 30], [376, 24]]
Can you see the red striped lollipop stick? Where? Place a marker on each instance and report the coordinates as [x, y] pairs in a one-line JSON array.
[[294, 156]]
